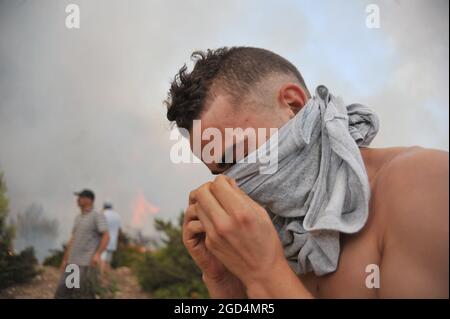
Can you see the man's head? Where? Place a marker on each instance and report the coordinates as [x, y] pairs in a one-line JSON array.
[[107, 205], [85, 199], [238, 87]]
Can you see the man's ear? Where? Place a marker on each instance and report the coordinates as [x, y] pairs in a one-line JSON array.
[[293, 96]]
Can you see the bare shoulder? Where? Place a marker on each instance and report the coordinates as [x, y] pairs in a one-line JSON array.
[[414, 204], [415, 175], [414, 183], [416, 162]]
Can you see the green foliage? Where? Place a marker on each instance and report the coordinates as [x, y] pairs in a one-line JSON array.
[[6, 232], [126, 255], [167, 272], [55, 258], [170, 272], [33, 228], [17, 269], [107, 290], [102, 290], [14, 268]]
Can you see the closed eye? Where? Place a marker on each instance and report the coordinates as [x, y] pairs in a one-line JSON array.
[[222, 167]]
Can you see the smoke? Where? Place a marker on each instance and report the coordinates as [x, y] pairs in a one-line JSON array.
[[415, 99], [34, 229], [83, 108]]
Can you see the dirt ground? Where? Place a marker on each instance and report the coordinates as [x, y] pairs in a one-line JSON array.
[[122, 281]]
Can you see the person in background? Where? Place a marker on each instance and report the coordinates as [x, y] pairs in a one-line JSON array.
[[89, 239], [113, 221]]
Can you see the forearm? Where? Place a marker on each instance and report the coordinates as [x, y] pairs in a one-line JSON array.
[[224, 288], [67, 251], [103, 243], [281, 282]]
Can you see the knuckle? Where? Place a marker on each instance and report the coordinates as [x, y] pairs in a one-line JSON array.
[[191, 197], [235, 211], [261, 210], [205, 187], [213, 187], [223, 230], [186, 228], [188, 213], [217, 183], [220, 178], [243, 218], [209, 243], [212, 236]]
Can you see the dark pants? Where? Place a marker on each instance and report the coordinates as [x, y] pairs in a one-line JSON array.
[[88, 289]]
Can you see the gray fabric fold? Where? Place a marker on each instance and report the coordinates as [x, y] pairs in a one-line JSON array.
[[320, 187]]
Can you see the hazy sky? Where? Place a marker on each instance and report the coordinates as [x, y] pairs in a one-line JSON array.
[[83, 107]]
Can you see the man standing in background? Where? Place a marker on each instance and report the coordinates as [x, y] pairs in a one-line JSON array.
[[113, 221], [90, 238]]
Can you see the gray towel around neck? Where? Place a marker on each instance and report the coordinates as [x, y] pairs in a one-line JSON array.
[[320, 188]]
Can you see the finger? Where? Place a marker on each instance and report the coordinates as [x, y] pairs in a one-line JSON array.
[[232, 182], [230, 198], [194, 227], [190, 214], [235, 186], [211, 207], [204, 219], [192, 232], [192, 197]]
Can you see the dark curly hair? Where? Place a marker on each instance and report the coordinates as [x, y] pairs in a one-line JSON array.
[[233, 70]]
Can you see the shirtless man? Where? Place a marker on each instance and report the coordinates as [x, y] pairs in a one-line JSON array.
[[231, 237]]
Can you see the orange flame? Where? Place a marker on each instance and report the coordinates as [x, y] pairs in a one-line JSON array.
[[141, 209]]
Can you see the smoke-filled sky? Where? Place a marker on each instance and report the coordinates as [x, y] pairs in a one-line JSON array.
[[83, 107]]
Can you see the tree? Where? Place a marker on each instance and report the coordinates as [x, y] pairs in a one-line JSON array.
[[170, 271], [6, 232], [33, 228], [14, 268]]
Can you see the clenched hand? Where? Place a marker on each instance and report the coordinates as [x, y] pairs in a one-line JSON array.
[[238, 236]]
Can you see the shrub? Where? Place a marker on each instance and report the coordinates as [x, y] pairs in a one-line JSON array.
[[127, 254], [14, 268], [55, 258], [170, 272]]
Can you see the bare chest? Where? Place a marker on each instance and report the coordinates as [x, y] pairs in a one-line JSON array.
[[358, 263]]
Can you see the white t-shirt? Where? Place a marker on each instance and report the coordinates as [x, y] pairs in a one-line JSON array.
[[113, 219]]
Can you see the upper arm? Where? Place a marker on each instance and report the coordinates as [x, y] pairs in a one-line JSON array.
[[75, 224], [101, 223], [416, 242]]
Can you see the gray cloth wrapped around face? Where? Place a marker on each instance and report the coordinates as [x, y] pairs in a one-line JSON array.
[[320, 187]]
